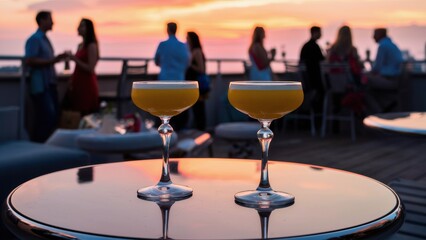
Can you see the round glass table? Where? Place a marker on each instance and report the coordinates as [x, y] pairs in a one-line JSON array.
[[100, 202], [413, 123]]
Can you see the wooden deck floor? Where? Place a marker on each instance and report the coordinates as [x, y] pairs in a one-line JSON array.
[[378, 155]]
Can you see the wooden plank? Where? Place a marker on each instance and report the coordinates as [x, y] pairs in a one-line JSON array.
[[415, 218], [413, 230], [420, 201], [415, 208], [380, 157], [409, 184], [409, 192], [400, 236]]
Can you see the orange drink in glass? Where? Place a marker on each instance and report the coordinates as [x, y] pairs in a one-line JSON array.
[[265, 101]]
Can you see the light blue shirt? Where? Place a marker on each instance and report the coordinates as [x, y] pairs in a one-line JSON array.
[[389, 60], [173, 58], [38, 46]]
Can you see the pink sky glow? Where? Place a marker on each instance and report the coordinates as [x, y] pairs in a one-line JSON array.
[[133, 28]]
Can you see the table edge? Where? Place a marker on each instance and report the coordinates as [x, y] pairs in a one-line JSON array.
[[27, 228]]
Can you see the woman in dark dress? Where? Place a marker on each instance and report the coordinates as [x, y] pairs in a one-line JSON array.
[[196, 68], [83, 88]]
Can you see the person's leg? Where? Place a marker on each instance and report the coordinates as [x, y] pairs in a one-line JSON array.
[[56, 111], [42, 120], [199, 115], [382, 93], [180, 121], [382, 83]]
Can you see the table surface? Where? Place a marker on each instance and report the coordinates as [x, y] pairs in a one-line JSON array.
[[402, 122], [101, 201]]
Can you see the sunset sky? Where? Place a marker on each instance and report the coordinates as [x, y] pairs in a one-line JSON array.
[[134, 27]]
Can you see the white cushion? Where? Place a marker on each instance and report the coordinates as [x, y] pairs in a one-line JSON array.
[[126, 143], [67, 137]]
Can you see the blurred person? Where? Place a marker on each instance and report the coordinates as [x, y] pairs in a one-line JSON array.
[[343, 51], [39, 56], [259, 57], [195, 71], [311, 56], [387, 66], [82, 94], [383, 81], [172, 56]]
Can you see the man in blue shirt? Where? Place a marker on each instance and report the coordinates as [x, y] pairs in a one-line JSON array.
[[172, 56], [384, 79], [40, 58], [388, 64]]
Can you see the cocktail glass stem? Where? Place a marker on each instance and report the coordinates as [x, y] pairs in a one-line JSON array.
[[165, 212], [165, 130], [264, 222], [264, 196], [265, 136]]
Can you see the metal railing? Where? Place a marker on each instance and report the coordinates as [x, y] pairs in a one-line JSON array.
[[22, 87], [218, 61], [414, 66]]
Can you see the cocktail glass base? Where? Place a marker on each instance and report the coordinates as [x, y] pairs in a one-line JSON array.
[[264, 199], [162, 192]]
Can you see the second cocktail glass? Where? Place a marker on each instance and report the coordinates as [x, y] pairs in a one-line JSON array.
[[165, 99], [265, 101]]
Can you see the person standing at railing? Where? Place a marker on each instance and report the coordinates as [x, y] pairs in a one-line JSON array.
[[311, 56], [197, 71], [82, 94], [172, 56], [39, 56], [260, 58]]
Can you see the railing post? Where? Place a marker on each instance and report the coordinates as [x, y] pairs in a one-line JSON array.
[[219, 73], [22, 93], [120, 86]]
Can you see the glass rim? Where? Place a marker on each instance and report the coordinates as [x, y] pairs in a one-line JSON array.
[[265, 85], [165, 84]]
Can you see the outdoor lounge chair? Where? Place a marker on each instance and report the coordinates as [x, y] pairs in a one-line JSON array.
[[22, 160], [121, 96]]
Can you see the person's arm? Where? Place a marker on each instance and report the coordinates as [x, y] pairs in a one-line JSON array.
[[261, 56], [40, 62], [319, 54], [198, 63], [92, 56], [378, 63], [31, 55], [157, 56], [357, 58]]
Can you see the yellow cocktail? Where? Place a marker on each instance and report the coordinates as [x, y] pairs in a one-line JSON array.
[[165, 99], [265, 101]]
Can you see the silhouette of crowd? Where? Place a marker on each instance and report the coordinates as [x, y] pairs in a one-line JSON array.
[[366, 93]]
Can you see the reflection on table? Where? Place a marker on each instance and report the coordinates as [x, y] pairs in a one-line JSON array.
[[403, 122], [102, 203]]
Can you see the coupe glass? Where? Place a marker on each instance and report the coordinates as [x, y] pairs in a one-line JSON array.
[[265, 101], [165, 99]]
